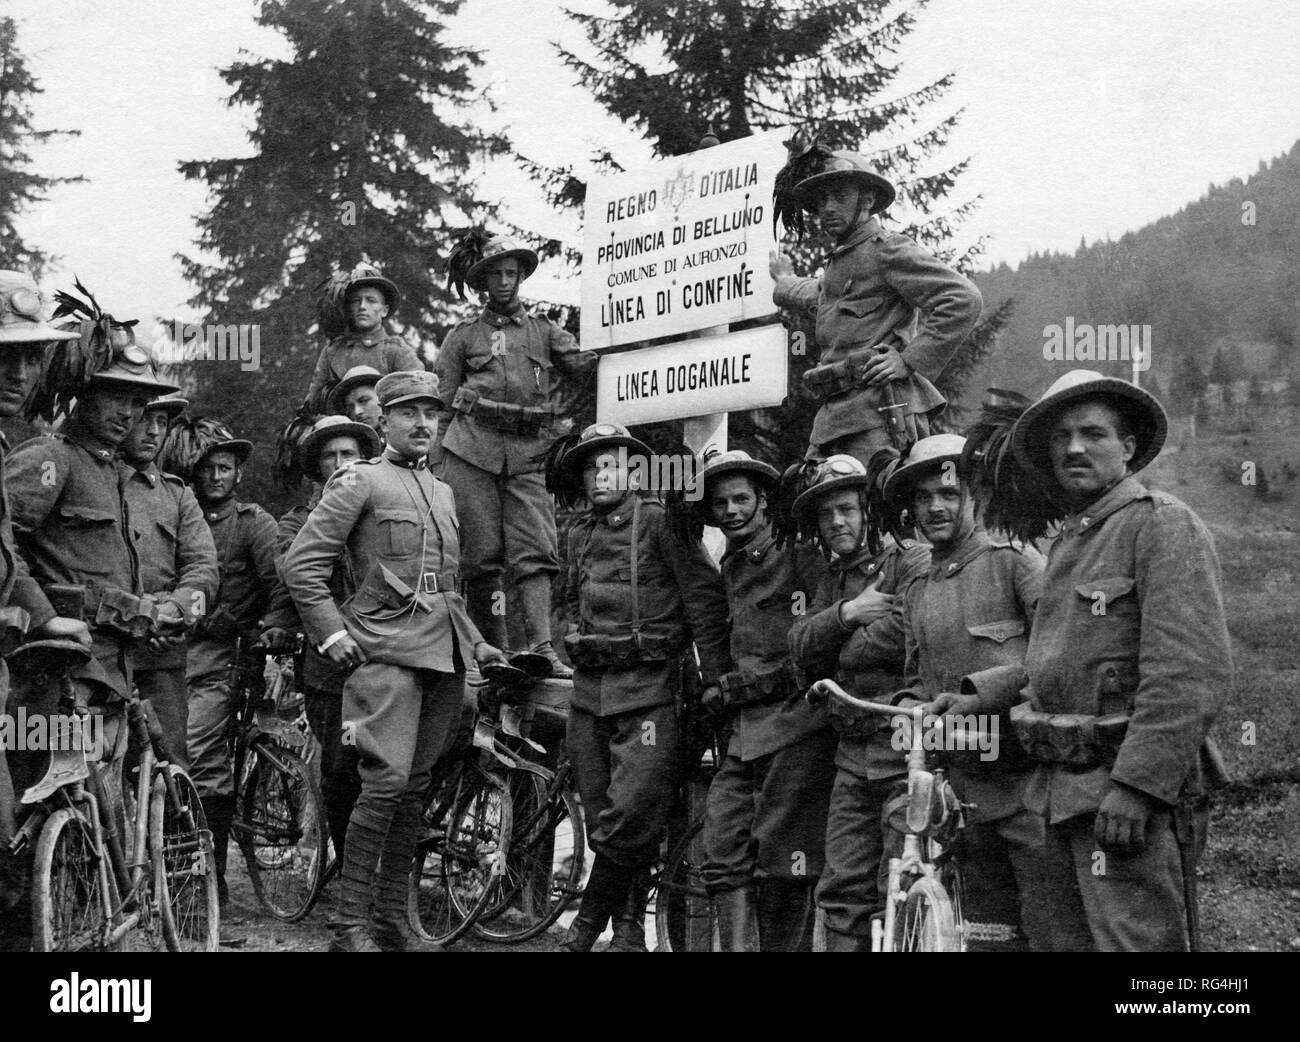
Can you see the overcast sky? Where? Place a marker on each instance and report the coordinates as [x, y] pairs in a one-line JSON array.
[[1082, 119]]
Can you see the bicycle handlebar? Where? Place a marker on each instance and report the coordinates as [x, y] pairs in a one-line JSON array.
[[828, 688]]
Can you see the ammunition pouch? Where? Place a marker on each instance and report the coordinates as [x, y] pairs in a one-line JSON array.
[[743, 688], [835, 378], [506, 417], [1070, 739], [599, 651], [13, 628]]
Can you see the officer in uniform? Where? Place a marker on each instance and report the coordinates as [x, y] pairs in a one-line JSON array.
[[638, 596], [765, 823], [1128, 663], [877, 359], [368, 300], [973, 611], [405, 636], [853, 631], [244, 536], [334, 442], [23, 338], [355, 398], [178, 563], [500, 372]]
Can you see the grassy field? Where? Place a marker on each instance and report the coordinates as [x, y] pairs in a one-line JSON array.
[[1250, 876]]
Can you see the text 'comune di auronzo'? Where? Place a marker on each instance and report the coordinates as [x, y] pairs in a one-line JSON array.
[[696, 294], [685, 376]]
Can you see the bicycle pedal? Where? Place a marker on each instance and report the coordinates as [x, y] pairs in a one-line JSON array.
[[66, 766]]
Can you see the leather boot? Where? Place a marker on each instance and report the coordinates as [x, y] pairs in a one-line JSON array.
[[351, 922], [784, 916], [535, 598], [607, 889], [480, 599], [629, 921], [737, 920], [220, 812], [391, 927]]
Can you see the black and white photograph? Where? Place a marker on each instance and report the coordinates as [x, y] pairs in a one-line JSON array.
[[651, 476]]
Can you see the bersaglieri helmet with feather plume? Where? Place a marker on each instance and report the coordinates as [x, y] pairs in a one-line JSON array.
[[803, 484], [332, 296], [104, 350], [189, 439]]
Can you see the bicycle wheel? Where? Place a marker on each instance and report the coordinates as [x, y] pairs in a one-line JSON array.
[[185, 872], [543, 869], [72, 906], [927, 923], [280, 827], [684, 919]]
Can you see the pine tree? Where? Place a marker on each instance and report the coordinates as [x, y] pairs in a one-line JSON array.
[[20, 188], [362, 149]]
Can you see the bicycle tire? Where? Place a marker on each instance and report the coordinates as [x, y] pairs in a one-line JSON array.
[[280, 828], [70, 907], [453, 877], [927, 922], [544, 865], [185, 871], [684, 917]]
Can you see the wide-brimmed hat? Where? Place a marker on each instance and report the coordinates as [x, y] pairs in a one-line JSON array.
[[392, 296], [172, 404], [354, 377], [22, 312], [723, 464], [240, 448], [132, 366], [499, 248], [850, 166], [597, 438], [928, 454], [1146, 416], [833, 473], [328, 427]]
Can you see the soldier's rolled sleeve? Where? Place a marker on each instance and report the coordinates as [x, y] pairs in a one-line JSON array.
[[798, 295], [1185, 655], [197, 572], [950, 303], [311, 558], [705, 600]]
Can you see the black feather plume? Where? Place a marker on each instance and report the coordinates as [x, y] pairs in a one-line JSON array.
[[807, 156], [188, 438], [1011, 498], [558, 484], [288, 468], [464, 255], [685, 516], [796, 479]]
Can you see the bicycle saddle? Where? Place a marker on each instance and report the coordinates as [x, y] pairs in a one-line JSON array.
[[49, 656]]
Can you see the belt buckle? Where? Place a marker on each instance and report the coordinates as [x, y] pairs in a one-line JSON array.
[[429, 582]]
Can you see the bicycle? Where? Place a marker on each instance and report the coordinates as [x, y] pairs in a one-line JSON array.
[[89, 889], [923, 908], [279, 820]]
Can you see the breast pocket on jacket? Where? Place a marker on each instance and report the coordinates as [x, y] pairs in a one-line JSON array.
[[860, 307], [87, 518], [999, 632], [1111, 597], [399, 532]]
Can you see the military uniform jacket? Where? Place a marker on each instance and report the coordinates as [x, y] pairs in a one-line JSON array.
[[383, 513], [972, 611], [875, 287], [866, 660], [178, 560], [1131, 617], [379, 350], [244, 535], [17, 587], [505, 358], [679, 597], [767, 589]]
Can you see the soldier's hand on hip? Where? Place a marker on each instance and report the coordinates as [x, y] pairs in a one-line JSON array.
[[887, 365], [346, 652], [867, 607], [779, 265], [1121, 824], [486, 655], [59, 628]]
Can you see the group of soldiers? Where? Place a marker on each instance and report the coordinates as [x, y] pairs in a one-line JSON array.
[[430, 499]]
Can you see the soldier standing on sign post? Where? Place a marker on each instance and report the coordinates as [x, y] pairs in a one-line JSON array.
[[973, 610], [244, 535], [24, 335], [499, 373], [765, 825], [407, 640], [853, 631], [638, 595], [353, 307], [889, 315], [1128, 663], [178, 563]]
